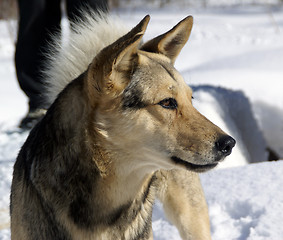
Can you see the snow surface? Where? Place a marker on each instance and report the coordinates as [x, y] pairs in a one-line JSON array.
[[234, 61]]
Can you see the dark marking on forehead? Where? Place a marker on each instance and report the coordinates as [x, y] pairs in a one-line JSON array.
[[132, 97]]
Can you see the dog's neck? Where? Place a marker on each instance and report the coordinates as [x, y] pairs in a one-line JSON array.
[[125, 178]]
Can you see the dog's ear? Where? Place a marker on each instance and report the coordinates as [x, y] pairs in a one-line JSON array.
[[127, 46], [117, 58], [171, 43]]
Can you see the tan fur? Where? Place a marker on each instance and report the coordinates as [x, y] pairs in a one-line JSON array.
[[112, 142], [184, 203]]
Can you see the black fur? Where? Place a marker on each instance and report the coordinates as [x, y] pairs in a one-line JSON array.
[[132, 98]]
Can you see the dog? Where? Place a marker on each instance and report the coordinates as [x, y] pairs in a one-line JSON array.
[[121, 132]]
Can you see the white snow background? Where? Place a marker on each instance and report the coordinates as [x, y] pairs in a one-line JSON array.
[[234, 62]]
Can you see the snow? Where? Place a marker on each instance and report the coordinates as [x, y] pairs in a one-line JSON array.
[[254, 212], [244, 203], [234, 61]]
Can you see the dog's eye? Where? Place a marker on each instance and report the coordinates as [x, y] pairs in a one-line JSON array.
[[169, 103]]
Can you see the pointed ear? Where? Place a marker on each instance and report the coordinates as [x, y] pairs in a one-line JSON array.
[[171, 43], [117, 57], [127, 46]]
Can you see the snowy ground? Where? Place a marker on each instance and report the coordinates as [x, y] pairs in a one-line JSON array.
[[240, 50]]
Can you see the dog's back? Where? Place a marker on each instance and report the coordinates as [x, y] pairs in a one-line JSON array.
[[52, 146]]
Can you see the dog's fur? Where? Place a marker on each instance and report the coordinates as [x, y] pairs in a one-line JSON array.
[[123, 132]]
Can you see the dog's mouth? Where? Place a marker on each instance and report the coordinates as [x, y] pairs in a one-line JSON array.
[[193, 167]]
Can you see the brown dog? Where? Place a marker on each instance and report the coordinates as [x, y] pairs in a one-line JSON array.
[[120, 134]]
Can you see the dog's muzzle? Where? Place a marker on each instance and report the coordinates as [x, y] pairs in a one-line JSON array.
[[223, 148]]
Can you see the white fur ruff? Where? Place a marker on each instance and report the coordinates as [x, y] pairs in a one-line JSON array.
[[70, 56]]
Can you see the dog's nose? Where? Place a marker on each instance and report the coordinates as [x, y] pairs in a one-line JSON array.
[[225, 145]]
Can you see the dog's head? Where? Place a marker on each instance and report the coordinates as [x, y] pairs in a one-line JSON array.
[[141, 101]]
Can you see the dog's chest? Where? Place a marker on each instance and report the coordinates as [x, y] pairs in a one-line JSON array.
[[135, 222]]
